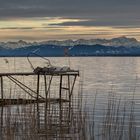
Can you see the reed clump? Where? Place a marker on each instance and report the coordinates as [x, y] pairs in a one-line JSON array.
[[117, 122]]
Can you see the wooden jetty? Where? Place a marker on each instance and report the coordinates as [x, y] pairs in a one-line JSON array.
[[49, 117], [35, 94]]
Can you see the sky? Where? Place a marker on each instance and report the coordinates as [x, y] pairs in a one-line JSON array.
[[39, 20]]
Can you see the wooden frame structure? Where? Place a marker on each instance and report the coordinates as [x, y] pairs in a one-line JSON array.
[[62, 115]]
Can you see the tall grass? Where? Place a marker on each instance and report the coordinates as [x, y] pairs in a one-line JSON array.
[[117, 123], [28, 123]]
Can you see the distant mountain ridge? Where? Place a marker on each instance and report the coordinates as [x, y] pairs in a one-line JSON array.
[[121, 46], [116, 42]]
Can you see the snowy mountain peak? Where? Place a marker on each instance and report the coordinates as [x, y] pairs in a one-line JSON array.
[[116, 42], [124, 41]]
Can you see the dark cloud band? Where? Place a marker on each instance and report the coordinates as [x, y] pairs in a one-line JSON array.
[[69, 8]]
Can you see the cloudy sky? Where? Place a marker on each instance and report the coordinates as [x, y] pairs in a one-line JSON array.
[[36, 20]]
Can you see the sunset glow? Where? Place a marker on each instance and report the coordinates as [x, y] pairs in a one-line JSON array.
[[44, 20], [38, 29]]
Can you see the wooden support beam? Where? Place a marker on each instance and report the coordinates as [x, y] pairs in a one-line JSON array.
[[47, 89], [71, 92], [38, 84], [60, 103], [21, 84], [60, 87], [57, 73], [46, 107], [1, 84], [69, 109], [45, 85], [37, 98]]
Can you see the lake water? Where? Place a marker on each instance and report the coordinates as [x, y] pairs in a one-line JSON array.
[[106, 78], [99, 74]]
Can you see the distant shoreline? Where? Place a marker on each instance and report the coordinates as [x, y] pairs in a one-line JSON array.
[[83, 56]]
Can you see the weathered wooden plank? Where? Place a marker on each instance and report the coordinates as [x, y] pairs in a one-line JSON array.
[[58, 73]]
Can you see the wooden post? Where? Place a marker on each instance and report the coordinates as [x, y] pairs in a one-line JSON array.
[[38, 80], [60, 102], [60, 89], [46, 106], [69, 109], [1, 82], [38, 113]]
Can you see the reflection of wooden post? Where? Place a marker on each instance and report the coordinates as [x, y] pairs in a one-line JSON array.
[[60, 101], [38, 118], [46, 106], [1, 125], [69, 108]]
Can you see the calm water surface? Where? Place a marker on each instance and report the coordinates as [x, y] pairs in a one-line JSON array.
[[99, 74]]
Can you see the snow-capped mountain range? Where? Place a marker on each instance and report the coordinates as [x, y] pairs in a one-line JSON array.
[[121, 46], [115, 42]]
